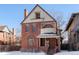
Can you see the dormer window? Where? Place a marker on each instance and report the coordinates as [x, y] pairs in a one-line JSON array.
[[37, 15]]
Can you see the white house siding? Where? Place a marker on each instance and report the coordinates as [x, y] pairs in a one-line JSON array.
[[42, 15], [73, 28]]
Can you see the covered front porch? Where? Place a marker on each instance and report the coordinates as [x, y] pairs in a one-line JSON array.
[[50, 43]]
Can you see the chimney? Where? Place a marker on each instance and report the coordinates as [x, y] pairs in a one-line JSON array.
[[25, 13], [13, 30]]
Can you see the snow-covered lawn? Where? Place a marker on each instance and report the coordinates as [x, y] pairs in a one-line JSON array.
[[21, 53], [67, 53], [39, 53]]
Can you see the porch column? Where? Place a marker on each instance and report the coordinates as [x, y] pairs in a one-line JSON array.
[[59, 45], [38, 43]]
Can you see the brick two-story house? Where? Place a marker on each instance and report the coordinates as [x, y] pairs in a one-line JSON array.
[[39, 31]]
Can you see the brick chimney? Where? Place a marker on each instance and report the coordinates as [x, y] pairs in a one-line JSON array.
[[25, 13]]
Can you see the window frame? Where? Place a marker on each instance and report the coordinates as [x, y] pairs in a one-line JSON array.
[[42, 42], [33, 27], [27, 27], [37, 15]]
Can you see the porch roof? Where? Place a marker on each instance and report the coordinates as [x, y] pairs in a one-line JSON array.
[[48, 36]]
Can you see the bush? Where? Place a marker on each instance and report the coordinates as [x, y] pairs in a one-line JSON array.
[[14, 48], [64, 47], [9, 48]]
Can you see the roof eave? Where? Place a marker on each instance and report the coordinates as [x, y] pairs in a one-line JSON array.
[[70, 21]]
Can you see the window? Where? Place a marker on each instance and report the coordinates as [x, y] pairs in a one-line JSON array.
[[37, 15], [48, 26], [31, 41], [33, 27], [42, 42], [27, 28]]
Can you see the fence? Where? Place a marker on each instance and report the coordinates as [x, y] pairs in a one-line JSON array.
[[9, 48]]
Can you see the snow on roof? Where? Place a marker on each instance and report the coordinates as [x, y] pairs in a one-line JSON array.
[[4, 28], [65, 41]]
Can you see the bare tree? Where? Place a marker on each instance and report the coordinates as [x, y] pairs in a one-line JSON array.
[[60, 22], [59, 18]]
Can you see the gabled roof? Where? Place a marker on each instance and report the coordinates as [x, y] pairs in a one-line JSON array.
[[2, 27], [34, 9], [71, 20]]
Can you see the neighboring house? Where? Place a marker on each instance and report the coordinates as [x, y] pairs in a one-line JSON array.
[[65, 37], [6, 36], [18, 41], [39, 31], [73, 32]]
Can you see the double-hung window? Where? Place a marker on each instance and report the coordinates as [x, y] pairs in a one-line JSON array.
[[27, 27], [33, 27]]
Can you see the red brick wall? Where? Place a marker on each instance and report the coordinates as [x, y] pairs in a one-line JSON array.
[[26, 35]]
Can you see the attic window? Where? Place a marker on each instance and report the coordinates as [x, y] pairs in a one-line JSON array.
[[37, 15]]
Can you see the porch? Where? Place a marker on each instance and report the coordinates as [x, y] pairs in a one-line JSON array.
[[49, 43]]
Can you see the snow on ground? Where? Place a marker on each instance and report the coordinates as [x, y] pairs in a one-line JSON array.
[[21, 53], [39, 53], [67, 53]]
